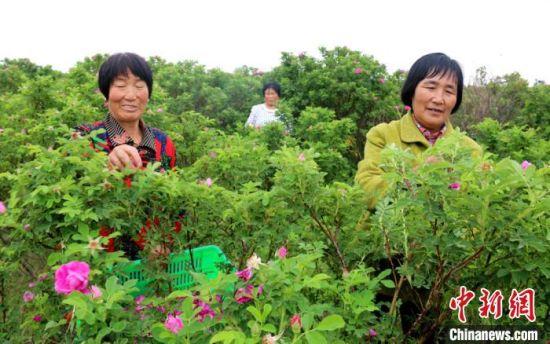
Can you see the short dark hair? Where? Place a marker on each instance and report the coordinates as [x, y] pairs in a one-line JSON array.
[[273, 86], [429, 66], [119, 64]]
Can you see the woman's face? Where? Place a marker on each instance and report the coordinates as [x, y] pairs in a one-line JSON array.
[[434, 99], [128, 97], [271, 97]]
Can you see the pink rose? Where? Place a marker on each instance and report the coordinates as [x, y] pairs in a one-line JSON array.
[[282, 252], [72, 276], [2, 208], [244, 295], [96, 292], [205, 310], [381, 80], [525, 164], [208, 182], [173, 323], [245, 274], [32, 284], [301, 157], [358, 70], [372, 333], [296, 323], [454, 186], [28, 296], [37, 318], [407, 108], [140, 299]]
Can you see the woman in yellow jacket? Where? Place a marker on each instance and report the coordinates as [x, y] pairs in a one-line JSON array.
[[432, 92]]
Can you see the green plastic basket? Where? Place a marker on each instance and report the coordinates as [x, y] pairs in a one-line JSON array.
[[208, 260]]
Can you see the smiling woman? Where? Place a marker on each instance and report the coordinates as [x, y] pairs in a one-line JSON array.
[[433, 91], [126, 81]]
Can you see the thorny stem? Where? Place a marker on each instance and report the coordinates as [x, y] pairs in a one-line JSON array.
[[331, 237]]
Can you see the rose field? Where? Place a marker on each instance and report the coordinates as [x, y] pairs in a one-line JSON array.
[[304, 260]]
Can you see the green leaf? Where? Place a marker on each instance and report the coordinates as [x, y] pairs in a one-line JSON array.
[[255, 312], [86, 315], [119, 326], [102, 333], [267, 310], [314, 337], [54, 258], [315, 281], [228, 337], [75, 300], [84, 229], [265, 199], [331, 323], [53, 324], [179, 293], [388, 283], [269, 328], [161, 334], [384, 274]]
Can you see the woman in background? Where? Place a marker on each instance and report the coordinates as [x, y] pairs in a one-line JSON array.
[[265, 113]]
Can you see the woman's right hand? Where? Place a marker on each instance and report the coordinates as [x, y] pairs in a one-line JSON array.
[[124, 156]]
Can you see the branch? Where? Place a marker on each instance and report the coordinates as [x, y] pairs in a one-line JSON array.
[[331, 237], [396, 295], [464, 263]]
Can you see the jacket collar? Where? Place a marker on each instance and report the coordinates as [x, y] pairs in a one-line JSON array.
[[410, 132], [115, 130]]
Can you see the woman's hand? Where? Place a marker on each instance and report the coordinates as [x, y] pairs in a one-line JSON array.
[[124, 156]]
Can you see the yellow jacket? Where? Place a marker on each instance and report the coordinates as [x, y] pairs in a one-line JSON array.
[[404, 134]]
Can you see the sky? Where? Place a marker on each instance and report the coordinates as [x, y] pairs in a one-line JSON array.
[[504, 36]]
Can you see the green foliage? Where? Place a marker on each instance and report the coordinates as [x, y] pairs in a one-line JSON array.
[[454, 220], [515, 142], [351, 84], [536, 112]]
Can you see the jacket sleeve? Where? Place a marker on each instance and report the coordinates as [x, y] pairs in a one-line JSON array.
[[369, 174], [84, 130], [171, 152]]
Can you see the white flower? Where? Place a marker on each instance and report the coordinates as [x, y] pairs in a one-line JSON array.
[[269, 339], [253, 262], [94, 244]]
